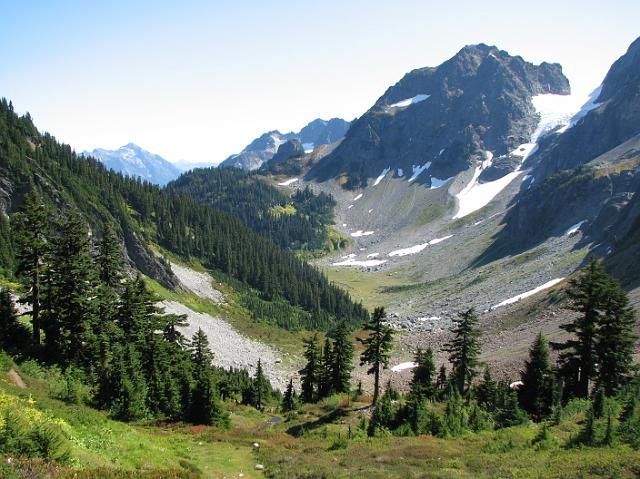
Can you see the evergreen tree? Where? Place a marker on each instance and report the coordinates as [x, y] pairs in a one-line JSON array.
[[289, 398], [442, 380], [325, 374], [464, 350], [614, 342], [309, 374], [487, 392], [71, 318], [383, 415], [129, 389], [13, 335], [578, 357], [536, 394], [261, 387], [109, 259], [31, 227], [205, 406], [377, 348], [423, 381], [342, 364]]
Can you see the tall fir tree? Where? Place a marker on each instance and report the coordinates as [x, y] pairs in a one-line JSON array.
[[487, 391], [309, 374], [615, 340], [464, 350], [71, 292], [377, 348], [325, 376], [289, 398], [31, 228], [424, 375], [536, 393], [261, 387], [587, 293], [342, 364], [205, 406]]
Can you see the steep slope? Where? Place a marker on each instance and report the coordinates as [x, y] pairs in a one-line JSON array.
[[142, 213], [318, 132], [440, 119], [131, 160], [297, 221], [584, 174]]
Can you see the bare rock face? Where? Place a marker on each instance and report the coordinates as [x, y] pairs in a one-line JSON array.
[[478, 100], [286, 151], [147, 263]]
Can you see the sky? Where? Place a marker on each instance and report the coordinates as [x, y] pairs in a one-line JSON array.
[[196, 81]]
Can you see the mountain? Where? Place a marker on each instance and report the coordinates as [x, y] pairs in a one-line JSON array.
[[586, 174], [131, 160], [286, 289], [318, 132], [444, 119], [188, 166]]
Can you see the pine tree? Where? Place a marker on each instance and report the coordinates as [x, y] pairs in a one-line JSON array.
[[309, 374], [31, 227], [536, 394], [423, 381], [464, 350], [342, 359], [614, 341], [261, 387], [129, 389], [377, 348], [289, 400], [578, 357]]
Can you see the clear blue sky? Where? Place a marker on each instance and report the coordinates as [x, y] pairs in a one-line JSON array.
[[197, 80]]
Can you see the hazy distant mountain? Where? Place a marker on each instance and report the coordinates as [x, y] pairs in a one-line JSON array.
[[131, 160], [188, 166], [263, 148]]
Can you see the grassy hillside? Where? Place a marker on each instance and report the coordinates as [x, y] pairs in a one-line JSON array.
[[320, 441]]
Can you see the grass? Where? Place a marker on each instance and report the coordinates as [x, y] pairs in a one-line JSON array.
[[323, 440], [432, 213], [95, 441], [367, 287]]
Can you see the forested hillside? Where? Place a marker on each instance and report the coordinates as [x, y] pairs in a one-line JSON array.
[[141, 213], [297, 222]]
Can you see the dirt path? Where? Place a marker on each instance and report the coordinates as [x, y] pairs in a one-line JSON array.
[[16, 379]]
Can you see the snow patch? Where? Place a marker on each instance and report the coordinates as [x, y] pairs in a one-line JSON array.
[[366, 263], [308, 147], [409, 101], [381, 177], [517, 298], [349, 207], [574, 229], [419, 169], [441, 152], [373, 255], [358, 197], [437, 183], [288, 182], [360, 233], [419, 247], [400, 172], [403, 366]]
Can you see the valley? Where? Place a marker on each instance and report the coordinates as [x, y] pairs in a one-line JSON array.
[[439, 287]]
